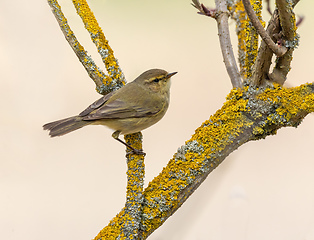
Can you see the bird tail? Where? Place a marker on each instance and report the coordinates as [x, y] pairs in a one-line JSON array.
[[64, 126]]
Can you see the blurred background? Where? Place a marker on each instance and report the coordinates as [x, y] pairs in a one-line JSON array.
[[71, 187]]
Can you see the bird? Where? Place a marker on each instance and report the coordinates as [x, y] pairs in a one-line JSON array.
[[130, 109]]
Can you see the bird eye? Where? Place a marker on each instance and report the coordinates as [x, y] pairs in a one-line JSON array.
[[156, 80]]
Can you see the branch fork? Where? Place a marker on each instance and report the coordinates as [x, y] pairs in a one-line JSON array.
[[221, 14]]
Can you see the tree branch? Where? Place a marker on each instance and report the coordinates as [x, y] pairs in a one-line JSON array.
[[247, 36], [98, 38], [222, 16], [295, 2], [130, 228], [278, 50], [287, 19], [249, 114], [290, 39], [104, 83], [263, 59]]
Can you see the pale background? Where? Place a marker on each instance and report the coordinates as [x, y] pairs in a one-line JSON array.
[[70, 187]]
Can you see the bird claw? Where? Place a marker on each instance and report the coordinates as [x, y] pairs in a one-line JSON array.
[[136, 152]]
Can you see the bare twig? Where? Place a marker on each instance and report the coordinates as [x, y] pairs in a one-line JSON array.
[[203, 10], [268, 6], [278, 50], [300, 20], [222, 17], [221, 14], [196, 4]]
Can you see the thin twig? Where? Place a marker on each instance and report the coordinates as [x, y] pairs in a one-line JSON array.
[[278, 50], [203, 10], [95, 73], [264, 56], [286, 16], [289, 39], [196, 4], [222, 16], [99, 39], [268, 7], [300, 20]]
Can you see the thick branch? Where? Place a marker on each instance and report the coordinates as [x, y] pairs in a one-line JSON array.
[[249, 114], [278, 50], [222, 17]]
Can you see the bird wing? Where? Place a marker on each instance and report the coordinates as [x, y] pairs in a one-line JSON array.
[[117, 108], [96, 104]]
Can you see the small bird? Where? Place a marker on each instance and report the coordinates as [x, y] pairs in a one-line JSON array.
[[130, 109]]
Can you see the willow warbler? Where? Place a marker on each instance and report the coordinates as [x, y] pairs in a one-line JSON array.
[[130, 109]]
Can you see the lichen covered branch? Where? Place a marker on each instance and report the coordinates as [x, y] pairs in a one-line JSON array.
[[289, 39], [130, 228], [277, 49], [98, 38], [106, 84], [253, 110], [95, 73], [248, 114], [247, 36], [295, 2]]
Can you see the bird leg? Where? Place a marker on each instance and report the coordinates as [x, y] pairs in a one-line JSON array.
[[116, 134]]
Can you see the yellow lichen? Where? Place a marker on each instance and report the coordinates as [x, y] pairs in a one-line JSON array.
[[99, 40], [199, 154], [292, 100], [247, 35], [103, 82]]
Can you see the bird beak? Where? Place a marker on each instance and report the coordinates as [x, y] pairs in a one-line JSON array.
[[169, 75]]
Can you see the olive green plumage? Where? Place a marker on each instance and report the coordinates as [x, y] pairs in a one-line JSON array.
[[130, 109]]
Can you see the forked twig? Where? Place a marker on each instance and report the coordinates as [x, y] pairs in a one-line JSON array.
[[221, 14], [95, 73]]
